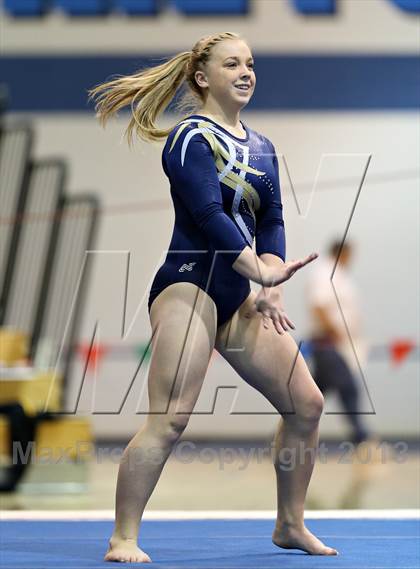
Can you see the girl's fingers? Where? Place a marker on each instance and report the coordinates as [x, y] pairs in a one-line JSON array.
[[310, 258], [284, 323], [266, 319], [281, 321], [274, 317], [278, 326], [305, 260], [294, 266], [282, 327], [289, 322]]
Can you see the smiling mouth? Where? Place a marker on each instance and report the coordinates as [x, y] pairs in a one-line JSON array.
[[244, 88]]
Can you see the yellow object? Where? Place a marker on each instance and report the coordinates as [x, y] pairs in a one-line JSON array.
[[57, 439], [41, 392], [14, 346]]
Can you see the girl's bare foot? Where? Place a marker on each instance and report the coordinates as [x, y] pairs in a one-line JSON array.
[[125, 550], [290, 537]]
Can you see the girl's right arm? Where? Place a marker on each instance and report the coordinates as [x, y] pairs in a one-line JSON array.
[[252, 267], [189, 165]]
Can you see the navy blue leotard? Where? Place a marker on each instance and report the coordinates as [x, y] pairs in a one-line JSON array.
[[225, 192]]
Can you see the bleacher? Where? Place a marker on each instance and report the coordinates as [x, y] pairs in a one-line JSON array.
[[45, 235]]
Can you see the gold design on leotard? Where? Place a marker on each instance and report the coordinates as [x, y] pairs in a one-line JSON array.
[[177, 134], [230, 179], [221, 150]]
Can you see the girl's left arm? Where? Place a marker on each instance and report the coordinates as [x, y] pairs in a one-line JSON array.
[[270, 235], [270, 301], [271, 248]]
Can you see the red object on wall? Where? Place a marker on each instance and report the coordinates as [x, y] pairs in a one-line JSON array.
[[399, 350], [93, 355]]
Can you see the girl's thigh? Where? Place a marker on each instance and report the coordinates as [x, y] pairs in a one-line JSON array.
[[266, 360], [184, 322]]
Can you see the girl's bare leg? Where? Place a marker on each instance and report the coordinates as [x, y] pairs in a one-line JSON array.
[[269, 363], [293, 473], [183, 320]]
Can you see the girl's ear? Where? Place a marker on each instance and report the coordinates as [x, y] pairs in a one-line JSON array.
[[201, 79]]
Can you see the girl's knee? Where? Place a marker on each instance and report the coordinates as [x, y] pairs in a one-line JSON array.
[[176, 425], [313, 406], [169, 426], [308, 412], [316, 405]]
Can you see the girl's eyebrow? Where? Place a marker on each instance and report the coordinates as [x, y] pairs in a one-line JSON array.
[[237, 58]]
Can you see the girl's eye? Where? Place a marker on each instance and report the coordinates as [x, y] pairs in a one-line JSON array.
[[233, 64]]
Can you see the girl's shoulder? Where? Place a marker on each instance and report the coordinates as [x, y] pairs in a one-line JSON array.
[[187, 124], [260, 144], [182, 136], [263, 139], [185, 127], [257, 136]]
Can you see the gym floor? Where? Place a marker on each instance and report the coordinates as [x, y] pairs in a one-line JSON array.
[[228, 476]]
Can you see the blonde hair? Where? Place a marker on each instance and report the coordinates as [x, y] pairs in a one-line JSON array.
[[149, 91]]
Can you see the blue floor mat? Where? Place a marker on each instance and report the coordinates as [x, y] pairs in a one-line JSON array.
[[211, 544]]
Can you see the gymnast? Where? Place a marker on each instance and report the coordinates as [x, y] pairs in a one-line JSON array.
[[224, 184]]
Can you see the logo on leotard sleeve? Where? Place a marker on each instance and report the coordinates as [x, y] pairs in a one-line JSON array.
[[186, 267]]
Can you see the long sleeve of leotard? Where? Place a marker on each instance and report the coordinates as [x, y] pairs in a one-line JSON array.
[[270, 235], [192, 173]]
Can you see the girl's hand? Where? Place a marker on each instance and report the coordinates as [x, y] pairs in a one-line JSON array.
[[269, 303], [278, 274]]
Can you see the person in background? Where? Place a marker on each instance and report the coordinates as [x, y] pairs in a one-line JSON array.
[[338, 348]]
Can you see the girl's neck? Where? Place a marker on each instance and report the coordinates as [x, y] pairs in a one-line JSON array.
[[229, 119]]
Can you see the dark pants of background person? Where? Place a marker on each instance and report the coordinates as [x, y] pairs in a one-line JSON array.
[[22, 432], [331, 372]]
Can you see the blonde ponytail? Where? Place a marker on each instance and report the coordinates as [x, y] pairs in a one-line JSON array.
[[149, 92]]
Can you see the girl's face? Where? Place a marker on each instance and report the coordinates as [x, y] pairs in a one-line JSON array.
[[229, 75]]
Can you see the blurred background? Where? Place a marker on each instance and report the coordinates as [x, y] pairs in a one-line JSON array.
[[85, 223]]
